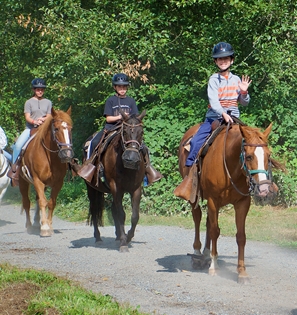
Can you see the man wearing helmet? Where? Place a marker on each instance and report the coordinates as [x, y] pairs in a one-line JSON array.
[[225, 90], [120, 83], [36, 111]]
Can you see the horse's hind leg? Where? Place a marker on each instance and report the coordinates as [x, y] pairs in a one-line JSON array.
[[24, 190], [198, 260], [135, 200]]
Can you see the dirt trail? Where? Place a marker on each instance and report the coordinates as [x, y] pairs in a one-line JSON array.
[[156, 274]]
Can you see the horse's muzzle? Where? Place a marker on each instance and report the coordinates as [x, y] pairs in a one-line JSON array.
[[131, 158], [265, 192], [66, 155]]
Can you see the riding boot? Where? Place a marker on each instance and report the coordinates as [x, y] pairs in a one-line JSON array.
[[14, 173], [87, 170], [152, 174], [187, 189]]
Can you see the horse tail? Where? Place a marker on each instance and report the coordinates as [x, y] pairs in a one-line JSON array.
[[95, 216]]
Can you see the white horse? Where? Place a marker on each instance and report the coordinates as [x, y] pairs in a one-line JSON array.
[[4, 165], [4, 179]]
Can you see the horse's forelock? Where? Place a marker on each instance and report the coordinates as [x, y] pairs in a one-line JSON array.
[[133, 119], [60, 115]]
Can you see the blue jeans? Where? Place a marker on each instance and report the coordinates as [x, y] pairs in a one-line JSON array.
[[7, 155], [198, 140], [22, 139]]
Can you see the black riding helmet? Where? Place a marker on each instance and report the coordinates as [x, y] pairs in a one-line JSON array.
[[222, 49], [120, 79], [38, 83]]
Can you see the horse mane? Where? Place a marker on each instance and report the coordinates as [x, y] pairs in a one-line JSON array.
[[43, 129]]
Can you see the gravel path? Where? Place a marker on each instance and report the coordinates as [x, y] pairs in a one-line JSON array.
[[156, 274]]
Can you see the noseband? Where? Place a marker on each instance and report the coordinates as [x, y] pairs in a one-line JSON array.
[[249, 173], [130, 146]]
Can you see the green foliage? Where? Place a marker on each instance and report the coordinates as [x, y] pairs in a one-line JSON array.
[[165, 48]]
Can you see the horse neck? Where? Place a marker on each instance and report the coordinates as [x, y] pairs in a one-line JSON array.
[[234, 141]]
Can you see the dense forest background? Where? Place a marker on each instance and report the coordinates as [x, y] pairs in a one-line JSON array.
[[165, 48]]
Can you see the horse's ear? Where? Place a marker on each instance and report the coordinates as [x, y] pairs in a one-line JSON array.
[[267, 131], [124, 115], [142, 115], [69, 110], [53, 111]]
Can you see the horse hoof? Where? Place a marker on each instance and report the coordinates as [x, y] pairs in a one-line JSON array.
[[30, 230], [124, 249], [212, 272], [243, 279], [46, 233]]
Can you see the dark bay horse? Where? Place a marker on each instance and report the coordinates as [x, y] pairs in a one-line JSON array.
[[124, 167], [44, 164], [236, 166]]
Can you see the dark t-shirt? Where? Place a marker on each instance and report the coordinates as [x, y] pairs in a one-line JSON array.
[[127, 104]]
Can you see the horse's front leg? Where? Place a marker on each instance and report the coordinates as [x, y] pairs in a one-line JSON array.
[[45, 229], [119, 218], [135, 201], [241, 211], [52, 202]]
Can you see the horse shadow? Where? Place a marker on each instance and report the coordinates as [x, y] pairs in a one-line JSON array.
[[4, 222], [108, 243], [178, 263]]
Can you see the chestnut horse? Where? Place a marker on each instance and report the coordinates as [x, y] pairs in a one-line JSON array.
[[236, 166], [124, 167], [44, 164]]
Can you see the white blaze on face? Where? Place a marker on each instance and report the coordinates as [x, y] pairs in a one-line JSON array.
[[259, 152], [65, 131]]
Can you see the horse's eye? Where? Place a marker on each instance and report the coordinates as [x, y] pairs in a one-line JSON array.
[[249, 158]]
